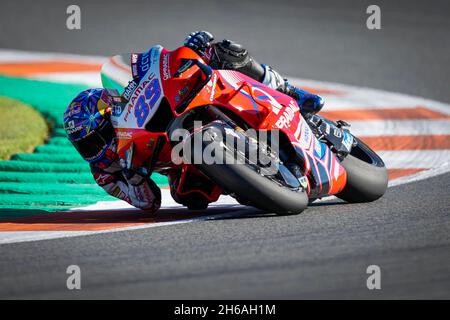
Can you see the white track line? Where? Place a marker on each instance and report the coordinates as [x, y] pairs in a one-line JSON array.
[[26, 236], [413, 159], [368, 98], [399, 127]]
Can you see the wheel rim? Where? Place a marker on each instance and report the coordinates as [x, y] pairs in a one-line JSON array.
[[364, 153]]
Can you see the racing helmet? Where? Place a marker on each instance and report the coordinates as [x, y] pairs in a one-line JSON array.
[[87, 123]]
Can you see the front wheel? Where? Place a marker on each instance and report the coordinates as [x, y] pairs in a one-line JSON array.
[[245, 183], [367, 177]]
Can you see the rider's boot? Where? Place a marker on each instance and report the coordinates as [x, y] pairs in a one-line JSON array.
[[309, 103]]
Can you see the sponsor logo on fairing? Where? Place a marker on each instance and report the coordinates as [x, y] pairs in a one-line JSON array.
[[284, 121], [139, 90], [117, 110], [318, 150], [276, 106], [337, 133], [155, 53], [134, 57], [184, 67], [144, 99], [126, 135], [166, 67], [145, 62], [129, 108], [213, 88], [347, 141], [132, 85], [305, 138]]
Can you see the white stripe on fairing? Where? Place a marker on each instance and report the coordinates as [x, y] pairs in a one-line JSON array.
[[399, 127], [413, 159]]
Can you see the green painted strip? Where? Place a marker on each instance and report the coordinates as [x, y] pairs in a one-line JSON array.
[[52, 177], [59, 141], [59, 132], [26, 166], [46, 199], [50, 158], [46, 148], [50, 188], [46, 177], [160, 180]]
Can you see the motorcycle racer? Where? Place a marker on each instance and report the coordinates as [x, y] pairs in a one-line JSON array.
[[88, 126]]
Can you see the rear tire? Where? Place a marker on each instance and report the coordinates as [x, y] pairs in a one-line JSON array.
[[367, 177]]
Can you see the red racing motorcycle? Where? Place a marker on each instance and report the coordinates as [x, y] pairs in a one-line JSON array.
[[313, 157]]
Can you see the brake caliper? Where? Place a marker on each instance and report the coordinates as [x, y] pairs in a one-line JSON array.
[[334, 134]]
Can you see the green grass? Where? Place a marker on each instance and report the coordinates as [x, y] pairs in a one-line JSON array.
[[22, 128]]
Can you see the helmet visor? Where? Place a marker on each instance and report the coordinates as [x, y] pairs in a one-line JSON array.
[[93, 146]]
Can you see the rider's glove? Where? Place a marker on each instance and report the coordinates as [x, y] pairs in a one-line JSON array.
[[199, 41], [132, 177], [146, 195]]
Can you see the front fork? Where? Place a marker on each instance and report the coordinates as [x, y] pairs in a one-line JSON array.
[[334, 134]]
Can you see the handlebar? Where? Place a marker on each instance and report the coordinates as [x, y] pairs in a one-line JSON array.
[[207, 71]]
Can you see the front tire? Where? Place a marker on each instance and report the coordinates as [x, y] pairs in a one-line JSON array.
[[367, 176], [249, 186]]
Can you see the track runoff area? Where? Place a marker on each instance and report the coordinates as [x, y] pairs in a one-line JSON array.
[[411, 134]]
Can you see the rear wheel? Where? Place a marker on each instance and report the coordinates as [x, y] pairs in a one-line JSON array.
[[246, 181], [367, 177]]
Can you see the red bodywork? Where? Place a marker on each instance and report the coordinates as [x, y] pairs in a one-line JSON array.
[[260, 107]]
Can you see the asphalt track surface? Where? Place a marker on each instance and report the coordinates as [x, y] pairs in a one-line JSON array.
[[322, 253]]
